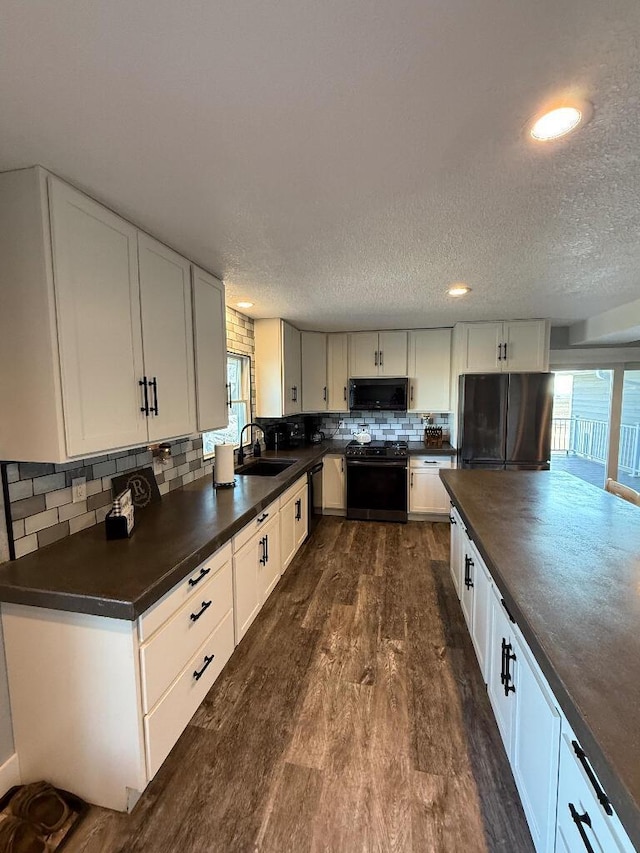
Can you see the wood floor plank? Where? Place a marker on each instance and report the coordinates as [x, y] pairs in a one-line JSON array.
[[445, 815], [351, 718], [287, 825]]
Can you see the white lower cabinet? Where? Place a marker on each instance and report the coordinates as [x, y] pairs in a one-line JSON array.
[[117, 694], [294, 521], [426, 492], [481, 614], [566, 808], [536, 740], [456, 554], [503, 671], [333, 482], [467, 587], [256, 571], [585, 819]]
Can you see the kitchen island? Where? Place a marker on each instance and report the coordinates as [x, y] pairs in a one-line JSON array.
[[565, 557]]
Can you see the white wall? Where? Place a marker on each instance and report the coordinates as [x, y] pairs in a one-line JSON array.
[[6, 733]]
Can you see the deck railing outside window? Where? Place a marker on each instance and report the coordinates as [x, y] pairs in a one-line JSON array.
[[590, 438]]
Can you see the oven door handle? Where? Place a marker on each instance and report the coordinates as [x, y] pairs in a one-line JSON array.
[[373, 463]]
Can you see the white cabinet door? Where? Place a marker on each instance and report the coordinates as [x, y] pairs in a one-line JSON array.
[[503, 671], [426, 492], [314, 371], [167, 331], [392, 355], [430, 370], [363, 354], [292, 370], [576, 799], [481, 348], [98, 316], [247, 600], [210, 345], [527, 345], [301, 516], [536, 744], [337, 372], [288, 532], [468, 582], [333, 482], [456, 555], [269, 565], [481, 614]]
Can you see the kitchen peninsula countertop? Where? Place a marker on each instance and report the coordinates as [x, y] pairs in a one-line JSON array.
[[121, 578], [566, 558]]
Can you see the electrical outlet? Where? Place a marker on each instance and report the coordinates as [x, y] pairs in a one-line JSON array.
[[79, 489], [341, 425]]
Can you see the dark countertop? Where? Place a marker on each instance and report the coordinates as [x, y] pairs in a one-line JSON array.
[[121, 578], [566, 558]]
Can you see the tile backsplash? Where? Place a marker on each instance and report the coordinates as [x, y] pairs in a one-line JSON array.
[[384, 426], [41, 507]]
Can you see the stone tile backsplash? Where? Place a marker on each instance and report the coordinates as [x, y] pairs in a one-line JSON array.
[[40, 498], [383, 426]]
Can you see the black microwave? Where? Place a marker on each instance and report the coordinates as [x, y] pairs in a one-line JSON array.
[[386, 395]]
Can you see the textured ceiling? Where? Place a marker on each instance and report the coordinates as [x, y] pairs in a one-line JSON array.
[[341, 162]]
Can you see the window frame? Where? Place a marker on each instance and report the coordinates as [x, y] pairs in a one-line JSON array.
[[246, 361]]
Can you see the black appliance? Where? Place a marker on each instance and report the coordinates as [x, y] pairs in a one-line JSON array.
[[314, 503], [377, 480], [387, 395], [504, 420], [284, 435]]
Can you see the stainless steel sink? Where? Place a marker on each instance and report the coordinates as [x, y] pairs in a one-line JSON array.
[[265, 467]]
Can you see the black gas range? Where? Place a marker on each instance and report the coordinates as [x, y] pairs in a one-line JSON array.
[[377, 480]]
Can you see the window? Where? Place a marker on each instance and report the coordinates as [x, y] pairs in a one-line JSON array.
[[239, 379]]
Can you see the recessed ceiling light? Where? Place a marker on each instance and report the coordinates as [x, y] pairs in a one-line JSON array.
[[244, 304], [458, 290], [558, 122]]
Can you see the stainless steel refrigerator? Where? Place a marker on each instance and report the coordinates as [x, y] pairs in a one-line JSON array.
[[504, 420]]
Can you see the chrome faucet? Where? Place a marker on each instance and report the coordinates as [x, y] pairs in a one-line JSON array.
[[241, 448]]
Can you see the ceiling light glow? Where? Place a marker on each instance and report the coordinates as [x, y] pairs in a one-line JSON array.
[[557, 123], [458, 290], [244, 304]]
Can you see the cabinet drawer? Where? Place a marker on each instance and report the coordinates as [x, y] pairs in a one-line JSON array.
[[256, 524], [162, 658], [163, 609], [427, 462], [293, 491], [164, 725]]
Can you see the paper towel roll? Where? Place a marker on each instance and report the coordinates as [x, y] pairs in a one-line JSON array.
[[223, 464]]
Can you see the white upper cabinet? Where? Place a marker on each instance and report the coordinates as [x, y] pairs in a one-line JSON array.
[[377, 354], [501, 347], [210, 344], [167, 333], [96, 330], [278, 369], [314, 371], [337, 372], [99, 338], [430, 370], [525, 346]]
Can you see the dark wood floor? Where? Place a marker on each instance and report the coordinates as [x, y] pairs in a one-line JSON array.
[[351, 718]]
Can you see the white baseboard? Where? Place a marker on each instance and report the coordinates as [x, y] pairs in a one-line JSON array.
[[9, 774]]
